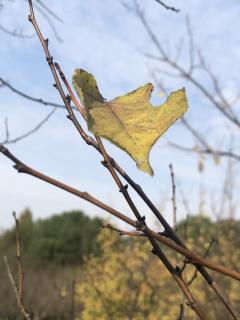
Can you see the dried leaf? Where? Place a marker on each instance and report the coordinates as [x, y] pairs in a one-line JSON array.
[[129, 121]]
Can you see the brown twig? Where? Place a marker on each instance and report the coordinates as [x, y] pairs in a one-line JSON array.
[[194, 276], [123, 232], [10, 276], [19, 290], [181, 312]]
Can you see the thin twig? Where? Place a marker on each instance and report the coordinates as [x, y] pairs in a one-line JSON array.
[[15, 33], [19, 290], [6, 129], [181, 312], [173, 198], [199, 150], [19, 260], [45, 14], [47, 9], [194, 276], [4, 83], [10, 276], [28, 133], [167, 7], [123, 232]]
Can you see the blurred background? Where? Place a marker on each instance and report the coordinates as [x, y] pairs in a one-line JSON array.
[[124, 45]]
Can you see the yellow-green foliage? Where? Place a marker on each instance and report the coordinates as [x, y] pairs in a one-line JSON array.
[[128, 282]]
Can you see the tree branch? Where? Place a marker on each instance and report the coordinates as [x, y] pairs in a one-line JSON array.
[[19, 291], [4, 83], [167, 7], [28, 133]]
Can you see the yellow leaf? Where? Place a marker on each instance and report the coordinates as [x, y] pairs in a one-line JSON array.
[[129, 121]]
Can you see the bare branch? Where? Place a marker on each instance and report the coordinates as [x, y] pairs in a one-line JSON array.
[[48, 10], [6, 129], [123, 232], [45, 13], [10, 276], [19, 261], [28, 133], [167, 7], [4, 83], [198, 150], [15, 33], [181, 312], [173, 198], [194, 276], [19, 291], [185, 73]]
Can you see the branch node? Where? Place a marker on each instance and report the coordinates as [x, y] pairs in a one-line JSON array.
[[46, 41], [89, 141], [68, 98], [3, 149], [190, 304], [123, 187], [49, 59], [164, 234], [19, 167], [141, 224], [178, 270], [59, 69], [30, 18], [154, 251]]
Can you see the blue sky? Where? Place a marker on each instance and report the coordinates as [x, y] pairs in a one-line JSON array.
[[105, 39]]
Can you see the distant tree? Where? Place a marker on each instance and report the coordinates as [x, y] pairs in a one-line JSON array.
[[134, 285], [52, 251], [62, 239]]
